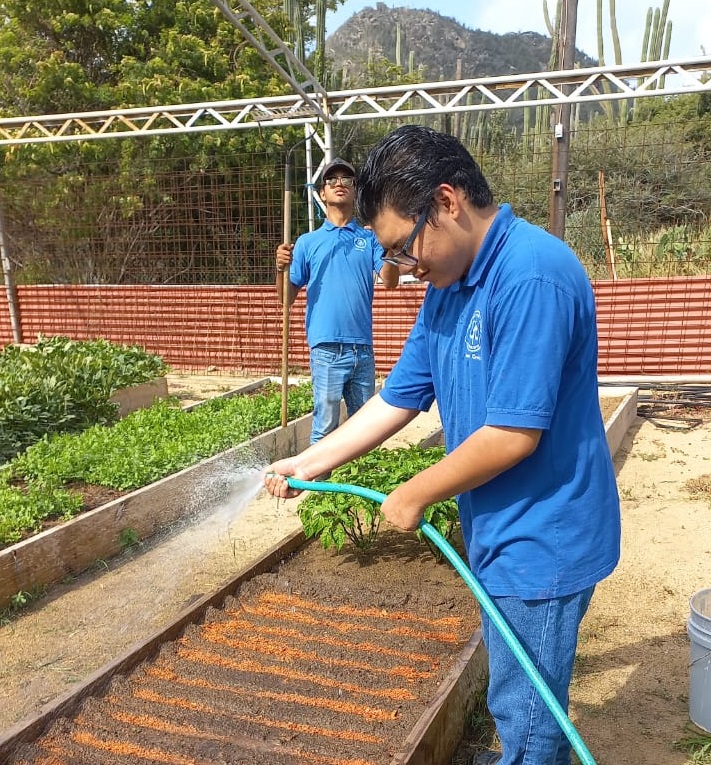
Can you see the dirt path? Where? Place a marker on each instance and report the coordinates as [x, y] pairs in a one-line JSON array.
[[630, 695]]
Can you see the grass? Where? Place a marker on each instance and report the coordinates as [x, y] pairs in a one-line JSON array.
[[697, 745], [19, 602], [479, 732], [700, 487], [667, 252]]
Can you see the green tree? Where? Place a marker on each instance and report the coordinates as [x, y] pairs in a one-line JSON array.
[[107, 211]]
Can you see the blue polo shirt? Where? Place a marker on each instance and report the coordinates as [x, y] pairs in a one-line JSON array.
[[514, 343], [336, 265]]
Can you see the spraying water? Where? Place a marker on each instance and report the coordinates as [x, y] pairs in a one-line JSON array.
[[219, 501], [218, 536]]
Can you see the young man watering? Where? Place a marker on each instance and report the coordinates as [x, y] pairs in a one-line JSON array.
[[506, 343]]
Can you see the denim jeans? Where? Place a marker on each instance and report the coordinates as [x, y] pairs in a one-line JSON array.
[[548, 631], [339, 371]]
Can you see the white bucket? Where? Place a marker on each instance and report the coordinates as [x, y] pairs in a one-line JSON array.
[[699, 629]]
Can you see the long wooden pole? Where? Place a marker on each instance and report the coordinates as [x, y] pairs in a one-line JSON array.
[[286, 289], [561, 131]]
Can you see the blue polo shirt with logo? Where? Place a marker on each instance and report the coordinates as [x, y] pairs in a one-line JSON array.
[[514, 344], [336, 265]]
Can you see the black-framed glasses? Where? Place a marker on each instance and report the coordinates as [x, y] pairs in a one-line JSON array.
[[402, 257], [344, 180]]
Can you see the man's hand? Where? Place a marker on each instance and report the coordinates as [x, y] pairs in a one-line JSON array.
[[275, 476], [402, 510], [283, 256]]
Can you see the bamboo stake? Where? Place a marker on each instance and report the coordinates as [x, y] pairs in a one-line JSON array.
[[286, 289], [605, 226]]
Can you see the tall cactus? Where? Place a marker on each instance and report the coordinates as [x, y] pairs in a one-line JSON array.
[[398, 45], [657, 36], [320, 52], [292, 10], [647, 35], [624, 104]]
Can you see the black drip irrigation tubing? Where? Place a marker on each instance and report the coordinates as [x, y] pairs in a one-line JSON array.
[[663, 403]]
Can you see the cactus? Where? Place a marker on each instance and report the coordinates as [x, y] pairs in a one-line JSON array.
[[647, 33], [624, 104], [657, 36], [292, 10], [320, 55], [398, 45]]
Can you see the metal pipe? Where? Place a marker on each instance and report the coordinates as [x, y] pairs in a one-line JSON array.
[[12, 300]]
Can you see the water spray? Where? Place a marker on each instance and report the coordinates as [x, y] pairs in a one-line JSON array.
[[484, 601]]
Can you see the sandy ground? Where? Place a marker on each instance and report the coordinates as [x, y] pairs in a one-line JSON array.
[[630, 694], [629, 699]]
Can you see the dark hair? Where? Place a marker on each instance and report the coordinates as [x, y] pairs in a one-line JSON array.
[[405, 168]]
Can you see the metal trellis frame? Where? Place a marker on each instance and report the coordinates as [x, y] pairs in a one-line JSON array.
[[430, 98]]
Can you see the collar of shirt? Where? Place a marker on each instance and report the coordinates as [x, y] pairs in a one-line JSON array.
[[352, 225], [489, 247]]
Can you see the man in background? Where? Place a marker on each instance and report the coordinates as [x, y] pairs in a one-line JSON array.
[[337, 264]]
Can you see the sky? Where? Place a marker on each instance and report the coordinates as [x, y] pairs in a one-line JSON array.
[[691, 21]]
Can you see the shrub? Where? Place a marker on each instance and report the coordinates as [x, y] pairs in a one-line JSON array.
[[61, 385], [335, 518]]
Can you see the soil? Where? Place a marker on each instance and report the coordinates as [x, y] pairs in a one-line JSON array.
[[330, 658], [629, 699]]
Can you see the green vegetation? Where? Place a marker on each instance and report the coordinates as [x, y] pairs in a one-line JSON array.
[[20, 601], [145, 446], [697, 745], [200, 208], [336, 518], [62, 385]]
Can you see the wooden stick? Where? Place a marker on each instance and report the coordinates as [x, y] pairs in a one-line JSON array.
[[286, 290]]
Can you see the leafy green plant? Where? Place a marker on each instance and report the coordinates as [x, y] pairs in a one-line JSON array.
[[145, 446], [697, 745], [337, 518], [62, 385], [23, 510], [20, 601], [128, 538]]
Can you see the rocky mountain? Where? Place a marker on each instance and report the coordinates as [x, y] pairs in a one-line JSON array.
[[443, 47]]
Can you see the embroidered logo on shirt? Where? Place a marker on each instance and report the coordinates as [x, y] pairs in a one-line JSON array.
[[359, 243], [472, 338]]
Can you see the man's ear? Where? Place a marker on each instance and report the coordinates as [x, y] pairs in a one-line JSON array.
[[447, 199]]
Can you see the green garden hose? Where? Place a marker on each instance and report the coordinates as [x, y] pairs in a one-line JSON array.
[[484, 601]]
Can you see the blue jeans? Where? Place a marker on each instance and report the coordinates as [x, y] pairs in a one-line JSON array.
[[548, 631], [339, 371]]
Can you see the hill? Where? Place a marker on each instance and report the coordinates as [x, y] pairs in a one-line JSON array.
[[438, 44]]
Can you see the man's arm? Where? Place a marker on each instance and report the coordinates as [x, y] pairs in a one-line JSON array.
[[488, 452], [390, 275], [375, 421], [283, 261]]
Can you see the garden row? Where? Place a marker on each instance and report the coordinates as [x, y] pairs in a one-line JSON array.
[[61, 431], [56, 477]]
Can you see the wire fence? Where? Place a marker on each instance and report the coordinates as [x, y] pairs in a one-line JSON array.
[[202, 210]]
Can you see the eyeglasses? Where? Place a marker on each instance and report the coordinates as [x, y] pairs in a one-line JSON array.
[[402, 257], [344, 180]]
